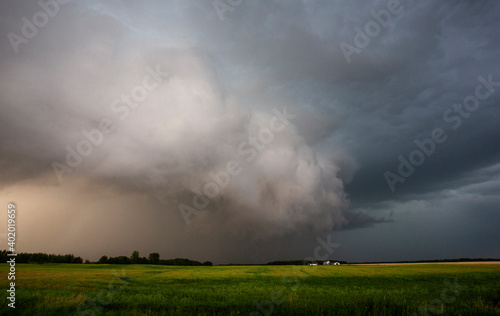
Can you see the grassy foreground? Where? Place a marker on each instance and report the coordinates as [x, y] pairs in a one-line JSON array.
[[91, 289]]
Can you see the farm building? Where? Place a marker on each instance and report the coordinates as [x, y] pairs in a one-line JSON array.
[[331, 263]]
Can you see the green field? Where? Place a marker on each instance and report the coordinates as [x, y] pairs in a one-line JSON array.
[[92, 289]]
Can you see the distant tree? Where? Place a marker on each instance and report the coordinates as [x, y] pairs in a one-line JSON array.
[[103, 259], [143, 260], [3, 255], [87, 261], [119, 260], [135, 257], [154, 258], [207, 263], [69, 258], [180, 262]]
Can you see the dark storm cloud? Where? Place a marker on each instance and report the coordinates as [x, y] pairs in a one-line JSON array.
[[220, 81]]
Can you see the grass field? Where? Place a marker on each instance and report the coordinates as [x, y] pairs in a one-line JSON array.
[[91, 289]]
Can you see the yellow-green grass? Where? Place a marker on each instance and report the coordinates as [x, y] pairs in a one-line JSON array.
[[91, 289]]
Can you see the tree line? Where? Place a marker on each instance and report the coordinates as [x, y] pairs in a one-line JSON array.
[[300, 262], [153, 258], [25, 257]]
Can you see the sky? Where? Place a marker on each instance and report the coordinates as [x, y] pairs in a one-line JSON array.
[[251, 131]]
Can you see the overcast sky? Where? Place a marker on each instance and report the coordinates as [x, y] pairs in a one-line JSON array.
[[242, 131]]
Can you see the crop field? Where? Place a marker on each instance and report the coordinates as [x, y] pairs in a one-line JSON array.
[[93, 289]]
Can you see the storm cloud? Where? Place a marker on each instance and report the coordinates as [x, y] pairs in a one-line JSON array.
[[242, 134]]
